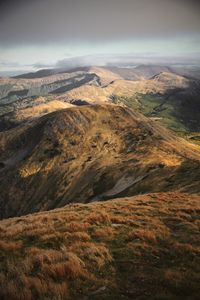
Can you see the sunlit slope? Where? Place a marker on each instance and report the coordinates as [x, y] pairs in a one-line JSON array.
[[143, 247], [169, 98]]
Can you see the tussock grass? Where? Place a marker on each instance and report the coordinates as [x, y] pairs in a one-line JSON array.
[[143, 247], [10, 246], [104, 233]]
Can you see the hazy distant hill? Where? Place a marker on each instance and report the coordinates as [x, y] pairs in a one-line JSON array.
[[140, 72], [48, 72]]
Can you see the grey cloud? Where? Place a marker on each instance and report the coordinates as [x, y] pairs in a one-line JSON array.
[[84, 61], [41, 65], [91, 60], [124, 60], [66, 21], [9, 64]]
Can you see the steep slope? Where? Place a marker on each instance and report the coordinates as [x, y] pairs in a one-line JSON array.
[[143, 247], [160, 84], [21, 95], [12, 89], [105, 75], [90, 153]]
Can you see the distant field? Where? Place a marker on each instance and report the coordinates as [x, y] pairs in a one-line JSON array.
[[166, 110]]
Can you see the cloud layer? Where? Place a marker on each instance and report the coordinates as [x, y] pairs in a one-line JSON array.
[[66, 21]]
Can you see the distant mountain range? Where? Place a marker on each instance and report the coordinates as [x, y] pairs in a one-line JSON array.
[[169, 95]]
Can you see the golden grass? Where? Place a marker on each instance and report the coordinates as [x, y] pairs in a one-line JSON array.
[[105, 233], [69, 267], [10, 246], [98, 218], [144, 234], [103, 250], [79, 235]]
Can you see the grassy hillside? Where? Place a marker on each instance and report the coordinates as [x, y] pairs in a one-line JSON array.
[[87, 153], [144, 247]]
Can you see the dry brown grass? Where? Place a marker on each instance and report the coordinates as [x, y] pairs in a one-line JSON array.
[[29, 288], [69, 267], [98, 217], [103, 249], [79, 235], [143, 234], [105, 233], [10, 246], [77, 226], [96, 254]]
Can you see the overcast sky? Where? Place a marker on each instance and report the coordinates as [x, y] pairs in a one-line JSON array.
[[44, 32]]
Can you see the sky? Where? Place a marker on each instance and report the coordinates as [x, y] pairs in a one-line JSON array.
[[55, 33]]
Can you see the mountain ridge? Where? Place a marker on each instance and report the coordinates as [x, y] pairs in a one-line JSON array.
[[45, 167]]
